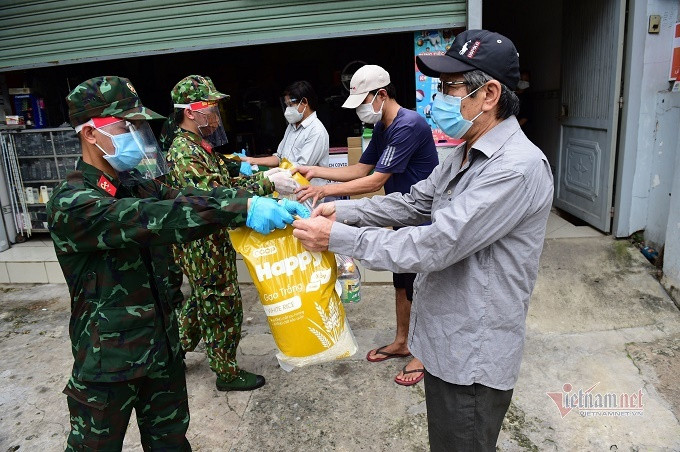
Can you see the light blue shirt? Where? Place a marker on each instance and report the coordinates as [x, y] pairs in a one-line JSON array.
[[476, 262], [306, 144]]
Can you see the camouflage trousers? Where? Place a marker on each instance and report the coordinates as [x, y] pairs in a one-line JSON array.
[[100, 412], [213, 313]]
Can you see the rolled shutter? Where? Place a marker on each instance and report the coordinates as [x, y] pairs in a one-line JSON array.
[[36, 33]]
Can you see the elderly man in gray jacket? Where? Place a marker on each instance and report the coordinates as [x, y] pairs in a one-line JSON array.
[[488, 205]]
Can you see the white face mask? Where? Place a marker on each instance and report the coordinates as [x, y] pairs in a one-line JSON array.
[[522, 84], [292, 115], [366, 113]]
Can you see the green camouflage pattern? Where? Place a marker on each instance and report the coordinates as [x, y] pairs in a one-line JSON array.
[[214, 314], [168, 131], [213, 311], [175, 278], [106, 96], [193, 88], [100, 412], [115, 255]]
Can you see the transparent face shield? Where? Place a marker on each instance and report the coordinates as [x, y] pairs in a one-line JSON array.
[[209, 122], [210, 125], [153, 164], [287, 101], [129, 147], [291, 109]]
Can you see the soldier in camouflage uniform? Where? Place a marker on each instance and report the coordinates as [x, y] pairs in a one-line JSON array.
[[213, 311], [112, 235]]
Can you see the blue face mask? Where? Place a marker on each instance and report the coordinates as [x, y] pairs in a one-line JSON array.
[[446, 113], [127, 153]]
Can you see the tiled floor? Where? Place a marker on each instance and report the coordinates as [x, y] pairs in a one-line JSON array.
[[35, 261]]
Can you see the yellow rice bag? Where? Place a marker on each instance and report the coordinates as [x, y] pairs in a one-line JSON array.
[[297, 289], [297, 177]]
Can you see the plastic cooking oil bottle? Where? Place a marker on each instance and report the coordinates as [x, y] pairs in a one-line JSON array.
[[349, 279]]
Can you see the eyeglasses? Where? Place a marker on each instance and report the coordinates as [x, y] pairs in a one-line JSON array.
[[450, 85]]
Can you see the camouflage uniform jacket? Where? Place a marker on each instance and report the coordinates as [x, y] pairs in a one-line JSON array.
[[207, 261], [112, 245]]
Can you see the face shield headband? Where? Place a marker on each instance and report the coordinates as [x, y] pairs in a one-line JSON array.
[[209, 122]]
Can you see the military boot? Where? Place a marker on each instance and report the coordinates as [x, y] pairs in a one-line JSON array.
[[244, 381]]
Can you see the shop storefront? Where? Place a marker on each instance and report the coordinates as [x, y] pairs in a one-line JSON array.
[[251, 50]]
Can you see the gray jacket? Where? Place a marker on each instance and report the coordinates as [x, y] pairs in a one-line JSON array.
[[476, 262]]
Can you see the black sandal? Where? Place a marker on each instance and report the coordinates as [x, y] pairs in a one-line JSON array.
[[399, 381], [385, 354]]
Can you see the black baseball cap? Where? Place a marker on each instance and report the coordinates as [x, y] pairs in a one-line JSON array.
[[485, 50]]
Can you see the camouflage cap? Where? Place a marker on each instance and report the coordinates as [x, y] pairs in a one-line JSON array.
[[106, 96], [195, 88]]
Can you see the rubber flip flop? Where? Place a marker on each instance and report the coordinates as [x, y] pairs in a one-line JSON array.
[[399, 381], [385, 355]]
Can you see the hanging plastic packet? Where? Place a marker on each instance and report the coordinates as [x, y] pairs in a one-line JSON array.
[[301, 181], [297, 289], [349, 279]]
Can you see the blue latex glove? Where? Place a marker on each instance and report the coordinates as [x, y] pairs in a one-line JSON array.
[[294, 208], [265, 215], [246, 169]]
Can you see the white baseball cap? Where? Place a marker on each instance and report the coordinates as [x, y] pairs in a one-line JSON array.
[[368, 78]]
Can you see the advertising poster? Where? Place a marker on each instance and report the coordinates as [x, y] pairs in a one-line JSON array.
[[431, 42]]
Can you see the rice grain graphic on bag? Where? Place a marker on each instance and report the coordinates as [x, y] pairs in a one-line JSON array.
[[297, 289]]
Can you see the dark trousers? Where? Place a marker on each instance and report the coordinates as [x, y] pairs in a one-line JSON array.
[[404, 281], [464, 418], [100, 412]]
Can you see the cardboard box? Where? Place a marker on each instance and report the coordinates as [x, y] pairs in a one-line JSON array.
[[380, 192], [14, 120], [354, 142], [15, 91], [353, 155]]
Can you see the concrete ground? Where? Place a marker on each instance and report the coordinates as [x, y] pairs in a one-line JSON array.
[[598, 317]]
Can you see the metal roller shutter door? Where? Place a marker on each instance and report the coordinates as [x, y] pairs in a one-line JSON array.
[[37, 33]]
